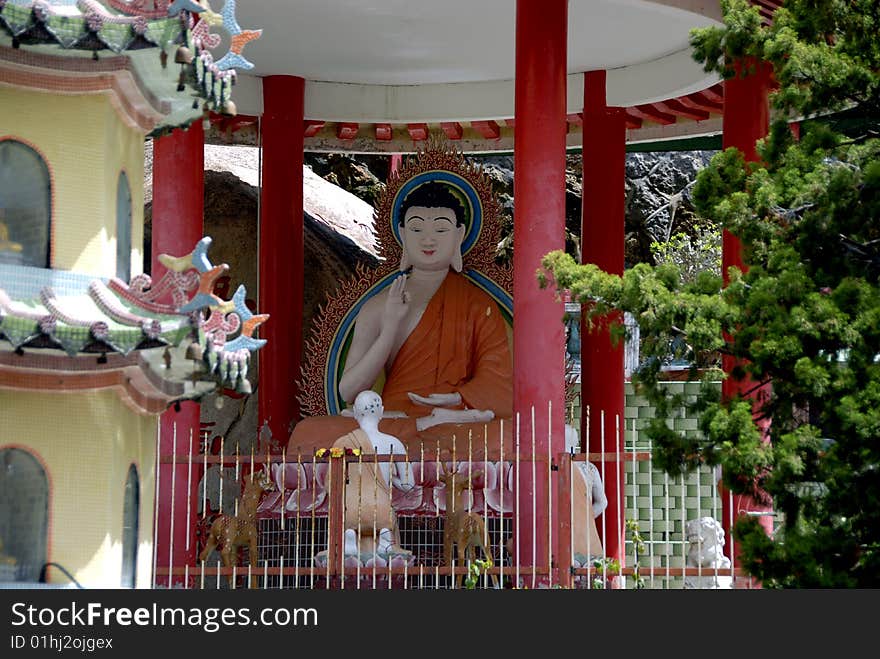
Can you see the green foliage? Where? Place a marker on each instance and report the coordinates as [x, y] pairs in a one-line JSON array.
[[692, 255], [804, 317], [474, 571], [606, 569], [639, 548]]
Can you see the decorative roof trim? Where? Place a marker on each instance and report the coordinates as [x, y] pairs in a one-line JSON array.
[[178, 328], [135, 108], [129, 377]]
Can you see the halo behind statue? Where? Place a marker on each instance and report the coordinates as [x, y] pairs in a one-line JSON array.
[[327, 347]]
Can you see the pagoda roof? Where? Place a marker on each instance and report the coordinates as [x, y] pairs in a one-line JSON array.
[[182, 339], [156, 61], [423, 61]]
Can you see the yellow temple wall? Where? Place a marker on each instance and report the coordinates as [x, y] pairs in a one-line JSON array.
[[86, 442], [85, 145]]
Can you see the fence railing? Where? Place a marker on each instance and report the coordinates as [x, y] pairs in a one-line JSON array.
[[428, 520]]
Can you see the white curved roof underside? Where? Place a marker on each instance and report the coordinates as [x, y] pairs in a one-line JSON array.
[[444, 60]]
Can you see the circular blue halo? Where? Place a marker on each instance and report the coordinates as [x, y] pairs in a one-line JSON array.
[[460, 185]]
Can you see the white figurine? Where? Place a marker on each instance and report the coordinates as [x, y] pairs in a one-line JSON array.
[[589, 472], [370, 521], [706, 550], [368, 411]]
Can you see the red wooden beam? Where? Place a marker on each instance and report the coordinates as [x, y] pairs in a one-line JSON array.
[[231, 125], [577, 118], [766, 8], [632, 121], [224, 122], [347, 130], [699, 101], [677, 108], [383, 132], [488, 129], [452, 129], [715, 93], [418, 132], [650, 113], [510, 123], [311, 128]]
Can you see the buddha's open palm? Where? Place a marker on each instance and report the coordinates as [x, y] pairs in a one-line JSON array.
[[436, 400]]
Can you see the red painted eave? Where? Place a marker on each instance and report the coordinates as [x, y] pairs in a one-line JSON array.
[[347, 131], [488, 129], [384, 132], [311, 128], [452, 129], [418, 132]]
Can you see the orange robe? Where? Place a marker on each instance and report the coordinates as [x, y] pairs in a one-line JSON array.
[[460, 344]]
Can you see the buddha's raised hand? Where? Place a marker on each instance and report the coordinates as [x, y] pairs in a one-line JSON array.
[[396, 305]]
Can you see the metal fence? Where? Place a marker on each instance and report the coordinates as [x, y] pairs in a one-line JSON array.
[[423, 520]]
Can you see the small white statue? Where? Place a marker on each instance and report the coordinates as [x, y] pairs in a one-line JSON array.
[[587, 490], [368, 411], [370, 521], [706, 550], [589, 472]]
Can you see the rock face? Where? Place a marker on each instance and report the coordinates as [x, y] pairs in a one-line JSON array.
[[363, 176], [658, 201], [652, 179]]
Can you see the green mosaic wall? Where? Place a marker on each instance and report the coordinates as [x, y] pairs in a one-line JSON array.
[[650, 493]]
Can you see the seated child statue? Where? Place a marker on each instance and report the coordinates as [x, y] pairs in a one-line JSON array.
[[369, 520]]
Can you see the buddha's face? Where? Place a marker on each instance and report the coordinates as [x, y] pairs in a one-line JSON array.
[[431, 237]]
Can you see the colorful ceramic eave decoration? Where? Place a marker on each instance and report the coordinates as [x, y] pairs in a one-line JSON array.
[[179, 27], [179, 311]]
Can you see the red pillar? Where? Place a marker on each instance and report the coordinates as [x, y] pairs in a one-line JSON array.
[[178, 209], [746, 120], [281, 257], [602, 243], [539, 227]]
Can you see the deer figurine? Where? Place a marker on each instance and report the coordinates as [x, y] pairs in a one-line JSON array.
[[229, 532], [465, 530]]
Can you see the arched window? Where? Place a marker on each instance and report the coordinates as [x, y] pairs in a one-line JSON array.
[[123, 228], [25, 206], [24, 516], [130, 512]]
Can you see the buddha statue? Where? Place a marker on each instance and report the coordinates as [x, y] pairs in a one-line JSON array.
[[440, 342]]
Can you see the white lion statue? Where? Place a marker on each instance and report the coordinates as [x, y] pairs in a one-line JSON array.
[[706, 550]]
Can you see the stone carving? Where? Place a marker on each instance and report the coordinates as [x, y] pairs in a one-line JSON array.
[[706, 551]]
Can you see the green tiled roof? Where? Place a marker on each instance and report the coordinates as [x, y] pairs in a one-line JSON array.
[[72, 29]]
